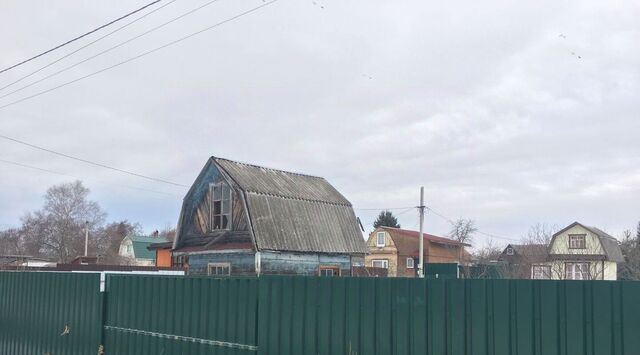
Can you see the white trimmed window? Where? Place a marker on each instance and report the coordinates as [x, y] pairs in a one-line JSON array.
[[221, 202], [381, 263], [577, 271], [380, 239], [329, 271], [540, 272], [510, 251], [219, 269], [577, 241], [410, 263]]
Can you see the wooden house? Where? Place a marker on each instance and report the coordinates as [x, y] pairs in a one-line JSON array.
[[243, 219]]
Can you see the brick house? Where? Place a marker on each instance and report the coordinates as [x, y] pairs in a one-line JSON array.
[[398, 250]]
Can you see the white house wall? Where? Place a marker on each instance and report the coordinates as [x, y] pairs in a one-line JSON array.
[[561, 243]]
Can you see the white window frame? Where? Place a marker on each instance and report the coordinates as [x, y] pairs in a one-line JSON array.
[[577, 270], [211, 266], [222, 185], [577, 241], [510, 251], [335, 270], [384, 239], [540, 272], [410, 263], [385, 263]]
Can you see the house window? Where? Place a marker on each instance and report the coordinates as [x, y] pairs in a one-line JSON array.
[[381, 263], [329, 271], [577, 271], [410, 263], [181, 261], [221, 202], [380, 242], [219, 269], [541, 272], [510, 251], [577, 241]]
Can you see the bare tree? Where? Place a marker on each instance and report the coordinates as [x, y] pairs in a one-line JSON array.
[[630, 269], [463, 230], [11, 242], [540, 233], [57, 230]]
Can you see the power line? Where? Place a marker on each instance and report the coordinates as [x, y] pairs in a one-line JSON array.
[[75, 177], [144, 53], [79, 37], [91, 162], [87, 45], [109, 49], [384, 208], [478, 231]]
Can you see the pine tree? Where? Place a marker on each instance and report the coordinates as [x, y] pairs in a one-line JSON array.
[[386, 219]]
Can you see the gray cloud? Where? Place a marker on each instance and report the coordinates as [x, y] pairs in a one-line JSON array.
[[482, 103]]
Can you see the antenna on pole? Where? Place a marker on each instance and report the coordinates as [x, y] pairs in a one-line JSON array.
[[421, 209]]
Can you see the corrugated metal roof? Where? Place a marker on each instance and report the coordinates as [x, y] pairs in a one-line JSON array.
[[305, 226], [296, 212], [141, 244], [267, 181]]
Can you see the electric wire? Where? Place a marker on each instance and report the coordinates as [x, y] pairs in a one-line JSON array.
[[75, 177], [78, 38], [254, 9], [153, 29], [86, 45], [105, 166]]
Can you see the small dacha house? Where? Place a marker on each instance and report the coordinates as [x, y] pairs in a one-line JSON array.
[[243, 219], [577, 252], [135, 248], [398, 250]]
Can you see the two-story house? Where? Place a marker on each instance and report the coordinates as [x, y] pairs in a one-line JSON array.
[[399, 250], [243, 219], [577, 252]]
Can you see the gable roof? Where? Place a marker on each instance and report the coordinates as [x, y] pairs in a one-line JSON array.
[[407, 241], [141, 246], [609, 244], [292, 212], [532, 253]]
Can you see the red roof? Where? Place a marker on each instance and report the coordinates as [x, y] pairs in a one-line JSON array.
[[429, 237]]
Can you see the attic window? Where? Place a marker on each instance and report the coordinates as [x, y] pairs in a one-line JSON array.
[[509, 251], [221, 202], [577, 241], [380, 242]]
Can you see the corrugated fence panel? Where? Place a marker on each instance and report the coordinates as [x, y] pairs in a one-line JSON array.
[[56, 313], [49, 313], [381, 316], [178, 315]]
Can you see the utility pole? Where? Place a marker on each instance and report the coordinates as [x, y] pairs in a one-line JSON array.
[[86, 238], [421, 209]]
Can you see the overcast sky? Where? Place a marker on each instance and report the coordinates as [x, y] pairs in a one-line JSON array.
[[510, 113]]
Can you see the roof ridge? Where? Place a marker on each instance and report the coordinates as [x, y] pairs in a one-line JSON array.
[[268, 168], [299, 198]]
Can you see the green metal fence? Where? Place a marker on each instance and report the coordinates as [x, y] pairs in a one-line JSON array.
[[310, 315], [49, 313], [448, 317], [178, 315]]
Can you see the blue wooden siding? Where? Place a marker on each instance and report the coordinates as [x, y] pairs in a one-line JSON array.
[[242, 264], [275, 263]]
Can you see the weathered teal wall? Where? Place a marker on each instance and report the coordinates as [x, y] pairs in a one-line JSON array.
[[242, 264], [304, 264]]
